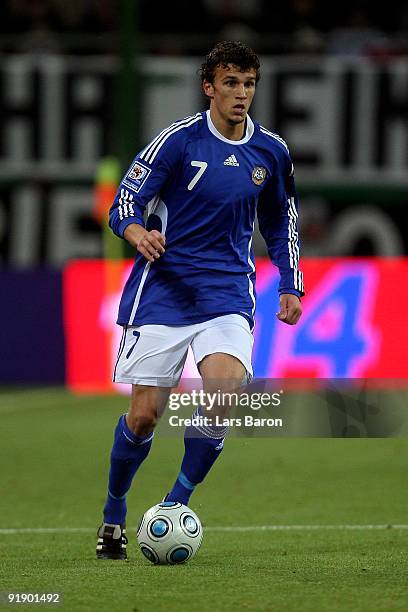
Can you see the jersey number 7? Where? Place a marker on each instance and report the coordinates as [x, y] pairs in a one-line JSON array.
[[202, 168]]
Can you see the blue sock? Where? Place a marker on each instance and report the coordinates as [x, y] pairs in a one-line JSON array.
[[128, 452], [202, 447]]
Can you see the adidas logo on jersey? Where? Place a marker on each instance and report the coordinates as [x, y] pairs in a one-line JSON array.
[[231, 161]]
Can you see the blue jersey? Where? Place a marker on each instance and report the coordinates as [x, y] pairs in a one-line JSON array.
[[203, 192]]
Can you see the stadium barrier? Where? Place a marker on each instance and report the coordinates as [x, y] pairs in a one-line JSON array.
[[32, 345], [351, 325]]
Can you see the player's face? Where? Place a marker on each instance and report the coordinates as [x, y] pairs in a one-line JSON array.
[[231, 93]]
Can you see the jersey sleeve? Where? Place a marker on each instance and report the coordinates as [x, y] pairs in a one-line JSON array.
[[278, 223], [144, 179]]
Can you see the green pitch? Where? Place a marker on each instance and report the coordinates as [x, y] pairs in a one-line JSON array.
[[54, 451]]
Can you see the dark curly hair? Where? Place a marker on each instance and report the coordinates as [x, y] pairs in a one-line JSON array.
[[229, 52]]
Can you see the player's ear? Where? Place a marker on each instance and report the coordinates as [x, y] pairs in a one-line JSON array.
[[208, 89]]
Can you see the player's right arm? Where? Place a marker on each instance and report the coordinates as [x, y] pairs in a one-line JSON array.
[[143, 181], [149, 244]]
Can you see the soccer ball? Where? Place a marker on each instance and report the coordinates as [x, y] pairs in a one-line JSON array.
[[169, 533]]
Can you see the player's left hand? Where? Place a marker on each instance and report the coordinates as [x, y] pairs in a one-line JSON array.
[[290, 309]]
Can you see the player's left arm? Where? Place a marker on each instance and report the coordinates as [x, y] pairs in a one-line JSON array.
[[278, 213], [290, 308]]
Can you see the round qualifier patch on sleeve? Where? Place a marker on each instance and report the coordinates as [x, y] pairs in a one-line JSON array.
[[136, 176]]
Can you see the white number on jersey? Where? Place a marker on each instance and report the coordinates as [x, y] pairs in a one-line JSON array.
[[202, 167]]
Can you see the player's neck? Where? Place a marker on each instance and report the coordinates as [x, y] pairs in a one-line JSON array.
[[233, 131]]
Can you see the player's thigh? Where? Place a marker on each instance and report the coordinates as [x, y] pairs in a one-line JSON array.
[[223, 351], [222, 368], [152, 355]]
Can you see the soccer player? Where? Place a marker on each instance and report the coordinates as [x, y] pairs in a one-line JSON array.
[[202, 180]]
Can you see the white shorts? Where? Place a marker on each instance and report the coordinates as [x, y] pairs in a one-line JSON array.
[[154, 355]]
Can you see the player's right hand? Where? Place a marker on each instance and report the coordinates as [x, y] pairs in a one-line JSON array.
[[149, 244]]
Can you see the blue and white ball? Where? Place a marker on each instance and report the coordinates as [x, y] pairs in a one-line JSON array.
[[169, 533]]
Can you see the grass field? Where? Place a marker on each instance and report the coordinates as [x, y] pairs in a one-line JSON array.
[[54, 451]]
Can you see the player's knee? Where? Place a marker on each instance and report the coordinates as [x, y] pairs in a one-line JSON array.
[[142, 424], [223, 396]]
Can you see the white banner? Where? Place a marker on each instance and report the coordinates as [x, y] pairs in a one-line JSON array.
[[345, 120]]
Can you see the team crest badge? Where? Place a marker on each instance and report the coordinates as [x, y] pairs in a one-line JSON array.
[[258, 175]]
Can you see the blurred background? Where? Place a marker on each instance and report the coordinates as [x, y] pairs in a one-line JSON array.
[[85, 83]]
